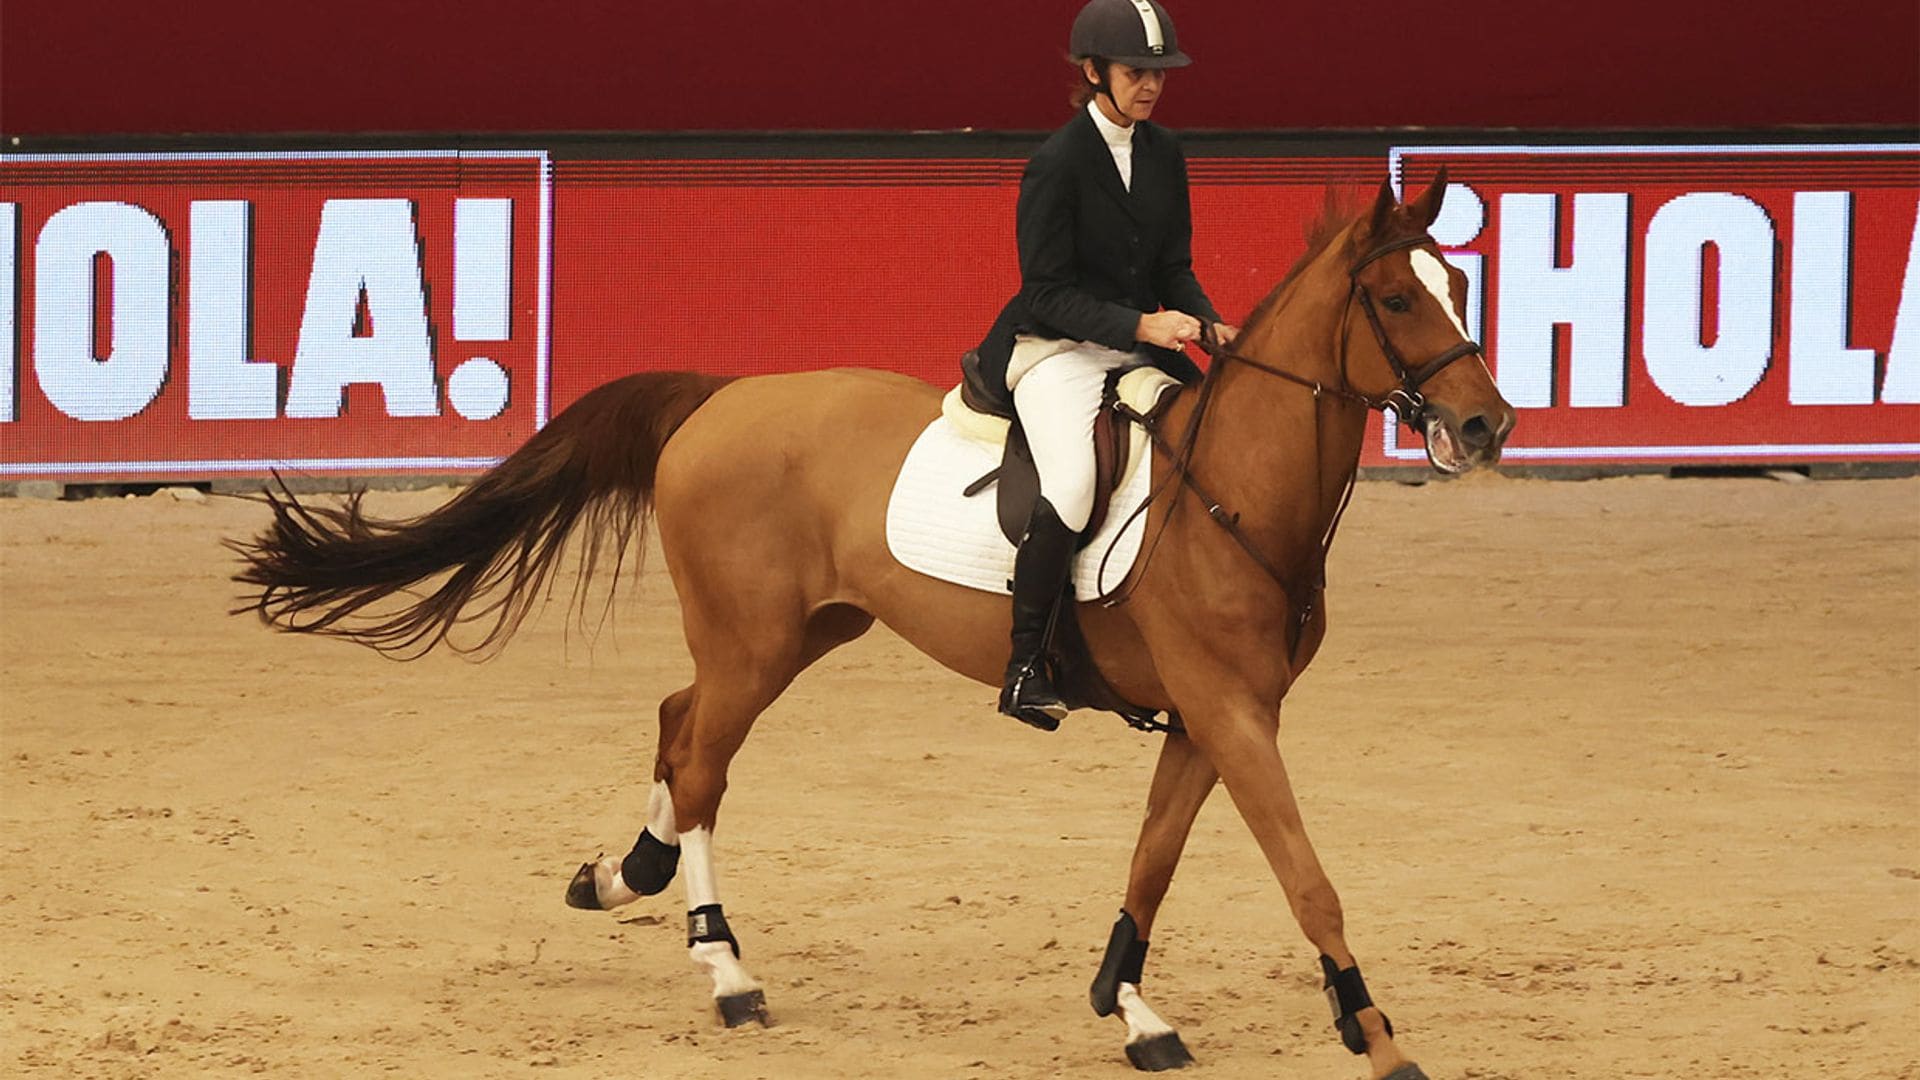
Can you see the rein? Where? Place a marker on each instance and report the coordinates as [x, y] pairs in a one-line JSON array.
[[1405, 400]]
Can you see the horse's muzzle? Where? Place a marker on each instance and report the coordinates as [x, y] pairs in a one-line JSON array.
[[1457, 445]]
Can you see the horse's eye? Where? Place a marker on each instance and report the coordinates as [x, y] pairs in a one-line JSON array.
[[1396, 303]]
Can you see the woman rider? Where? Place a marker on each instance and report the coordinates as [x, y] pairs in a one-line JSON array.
[[1106, 281]]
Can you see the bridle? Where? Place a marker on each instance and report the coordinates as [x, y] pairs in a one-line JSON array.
[[1405, 399]]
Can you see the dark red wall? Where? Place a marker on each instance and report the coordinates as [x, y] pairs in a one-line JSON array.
[[87, 67]]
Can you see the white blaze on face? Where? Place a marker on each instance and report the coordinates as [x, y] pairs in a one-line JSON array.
[[1433, 274]]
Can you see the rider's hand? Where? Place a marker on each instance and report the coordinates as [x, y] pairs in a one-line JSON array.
[[1226, 332], [1167, 329]]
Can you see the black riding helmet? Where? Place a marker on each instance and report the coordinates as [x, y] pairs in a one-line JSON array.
[[1137, 33]]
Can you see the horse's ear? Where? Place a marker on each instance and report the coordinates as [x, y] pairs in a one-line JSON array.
[[1383, 205], [1426, 209]]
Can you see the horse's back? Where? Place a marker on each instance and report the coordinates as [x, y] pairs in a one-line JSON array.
[[803, 453], [808, 413]]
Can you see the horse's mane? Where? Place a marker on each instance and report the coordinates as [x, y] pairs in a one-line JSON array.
[[1337, 211]]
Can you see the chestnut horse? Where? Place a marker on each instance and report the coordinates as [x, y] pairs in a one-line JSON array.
[[770, 496]]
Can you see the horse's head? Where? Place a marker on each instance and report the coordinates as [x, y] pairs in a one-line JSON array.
[[1410, 346]]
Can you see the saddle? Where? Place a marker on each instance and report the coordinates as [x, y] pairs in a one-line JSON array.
[[986, 417], [978, 412]]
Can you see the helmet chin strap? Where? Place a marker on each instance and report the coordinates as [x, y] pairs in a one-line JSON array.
[[1104, 87]]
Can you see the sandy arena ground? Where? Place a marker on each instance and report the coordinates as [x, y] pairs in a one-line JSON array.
[[1627, 784]]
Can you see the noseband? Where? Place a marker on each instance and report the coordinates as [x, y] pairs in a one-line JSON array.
[[1405, 400]]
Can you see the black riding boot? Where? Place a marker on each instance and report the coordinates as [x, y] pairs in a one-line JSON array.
[[1040, 572]]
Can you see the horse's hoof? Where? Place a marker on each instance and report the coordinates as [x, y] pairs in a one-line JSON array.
[[581, 892], [1409, 1071], [1159, 1053], [738, 1009]]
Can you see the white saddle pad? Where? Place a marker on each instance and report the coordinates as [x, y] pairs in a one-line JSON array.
[[936, 530]]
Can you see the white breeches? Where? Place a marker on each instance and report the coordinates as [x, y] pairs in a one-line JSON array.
[[1056, 390]]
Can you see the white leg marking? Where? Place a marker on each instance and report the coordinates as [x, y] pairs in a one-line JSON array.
[[660, 815], [608, 886], [607, 882], [714, 957], [696, 862], [1142, 1022]]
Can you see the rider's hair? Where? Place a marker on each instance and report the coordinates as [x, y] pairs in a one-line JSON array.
[[1084, 91]]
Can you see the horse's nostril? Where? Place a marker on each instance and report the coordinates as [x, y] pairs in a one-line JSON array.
[[1476, 433]]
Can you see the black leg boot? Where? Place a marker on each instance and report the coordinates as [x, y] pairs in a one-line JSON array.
[[1040, 572]]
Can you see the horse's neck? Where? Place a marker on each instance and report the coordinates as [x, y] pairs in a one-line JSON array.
[[1272, 451]]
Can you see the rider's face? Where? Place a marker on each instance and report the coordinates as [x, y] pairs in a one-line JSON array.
[[1135, 91]]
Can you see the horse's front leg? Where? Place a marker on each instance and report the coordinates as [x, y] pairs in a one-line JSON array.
[[1181, 782], [1238, 733]]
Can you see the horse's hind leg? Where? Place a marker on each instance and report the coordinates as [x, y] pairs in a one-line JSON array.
[[736, 684], [1181, 783], [701, 728], [613, 880]]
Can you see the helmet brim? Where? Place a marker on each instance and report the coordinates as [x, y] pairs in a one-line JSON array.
[[1174, 59]]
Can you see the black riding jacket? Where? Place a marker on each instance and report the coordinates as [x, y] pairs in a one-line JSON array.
[[1094, 255]]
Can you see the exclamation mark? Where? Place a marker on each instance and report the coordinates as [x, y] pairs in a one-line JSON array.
[[482, 302], [9, 302]]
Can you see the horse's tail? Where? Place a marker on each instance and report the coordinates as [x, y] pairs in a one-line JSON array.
[[319, 568]]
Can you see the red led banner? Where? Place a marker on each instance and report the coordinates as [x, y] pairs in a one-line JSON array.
[[174, 316], [190, 314], [1691, 304], [751, 266]]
